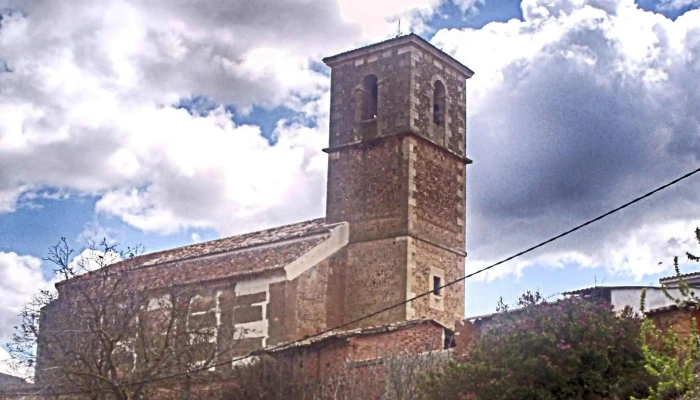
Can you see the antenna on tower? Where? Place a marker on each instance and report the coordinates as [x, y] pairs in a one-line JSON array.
[[398, 33]]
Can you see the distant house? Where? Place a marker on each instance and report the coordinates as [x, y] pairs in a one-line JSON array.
[[665, 312], [621, 297], [692, 278]]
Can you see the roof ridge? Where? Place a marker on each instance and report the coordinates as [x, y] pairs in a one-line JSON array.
[[671, 277], [248, 240], [411, 37], [368, 330], [230, 237]]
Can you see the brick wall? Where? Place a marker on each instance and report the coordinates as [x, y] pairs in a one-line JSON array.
[[680, 320], [466, 333], [367, 187], [358, 359]]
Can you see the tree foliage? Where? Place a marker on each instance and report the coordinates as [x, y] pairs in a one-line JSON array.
[[569, 349], [673, 359]]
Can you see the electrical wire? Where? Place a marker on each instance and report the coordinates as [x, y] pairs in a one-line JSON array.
[[399, 304]]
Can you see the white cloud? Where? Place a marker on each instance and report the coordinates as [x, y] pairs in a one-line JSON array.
[[677, 4], [8, 368], [469, 7], [379, 19], [195, 237], [20, 277], [92, 259], [9, 197], [224, 176], [88, 104], [580, 107], [88, 111], [95, 233]]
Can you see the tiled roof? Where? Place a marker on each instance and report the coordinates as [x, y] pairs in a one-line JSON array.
[[339, 335], [674, 277], [672, 307], [248, 253], [231, 243], [601, 288]]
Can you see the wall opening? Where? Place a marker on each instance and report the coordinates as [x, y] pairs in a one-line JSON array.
[[370, 94], [436, 285], [439, 104]]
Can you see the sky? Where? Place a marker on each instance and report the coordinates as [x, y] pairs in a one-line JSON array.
[[169, 123]]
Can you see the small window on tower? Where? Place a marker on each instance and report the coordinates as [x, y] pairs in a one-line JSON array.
[[436, 285], [439, 104], [370, 95]]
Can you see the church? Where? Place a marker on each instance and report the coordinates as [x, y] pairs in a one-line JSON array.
[[394, 225]]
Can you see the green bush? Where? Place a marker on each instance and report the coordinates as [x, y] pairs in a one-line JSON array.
[[673, 360], [570, 349]]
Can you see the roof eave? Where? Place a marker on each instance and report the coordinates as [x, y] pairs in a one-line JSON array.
[[412, 38]]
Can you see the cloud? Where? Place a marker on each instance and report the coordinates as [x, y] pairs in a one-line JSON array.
[[20, 277], [573, 111], [379, 19], [677, 4], [577, 108], [469, 6], [94, 233], [88, 104], [224, 176], [195, 237]]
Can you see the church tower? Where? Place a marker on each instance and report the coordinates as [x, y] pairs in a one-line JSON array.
[[396, 172]]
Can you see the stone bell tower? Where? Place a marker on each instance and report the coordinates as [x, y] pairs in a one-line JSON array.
[[396, 173]]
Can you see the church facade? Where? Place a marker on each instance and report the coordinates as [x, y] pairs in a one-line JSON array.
[[394, 224]]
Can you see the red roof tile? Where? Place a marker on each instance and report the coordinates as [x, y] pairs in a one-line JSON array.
[[248, 253], [337, 335], [231, 243], [688, 275]]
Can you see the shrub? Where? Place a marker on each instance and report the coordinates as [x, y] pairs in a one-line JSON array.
[[570, 349]]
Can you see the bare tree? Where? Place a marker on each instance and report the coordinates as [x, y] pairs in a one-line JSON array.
[[114, 331]]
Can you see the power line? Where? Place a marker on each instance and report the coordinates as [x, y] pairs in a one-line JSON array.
[[399, 304]]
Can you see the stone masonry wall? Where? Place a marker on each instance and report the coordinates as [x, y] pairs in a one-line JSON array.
[[336, 289], [429, 260], [310, 304], [399, 178], [376, 278], [437, 193], [393, 71], [243, 314], [426, 70]]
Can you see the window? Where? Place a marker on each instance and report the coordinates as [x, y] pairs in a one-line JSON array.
[[439, 104], [436, 285], [437, 297], [370, 93]]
